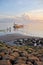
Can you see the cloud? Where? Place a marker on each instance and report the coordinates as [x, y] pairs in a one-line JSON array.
[[5, 16], [32, 16], [24, 18], [36, 14]]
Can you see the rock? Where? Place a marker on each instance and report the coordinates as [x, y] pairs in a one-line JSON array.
[[20, 64], [33, 58], [11, 57], [39, 63], [23, 54], [29, 63], [22, 60], [2, 54], [15, 54], [15, 50], [5, 62], [13, 61], [1, 57], [41, 59]]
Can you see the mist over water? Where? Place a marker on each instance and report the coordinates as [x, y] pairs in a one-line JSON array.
[[31, 29]]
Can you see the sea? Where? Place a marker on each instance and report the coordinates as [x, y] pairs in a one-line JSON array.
[[29, 29]]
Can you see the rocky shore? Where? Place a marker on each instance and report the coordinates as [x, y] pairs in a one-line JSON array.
[[20, 55], [16, 49]]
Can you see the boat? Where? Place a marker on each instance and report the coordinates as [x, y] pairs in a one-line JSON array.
[[17, 26]]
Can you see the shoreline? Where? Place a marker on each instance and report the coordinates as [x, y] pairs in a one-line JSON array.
[[11, 37]]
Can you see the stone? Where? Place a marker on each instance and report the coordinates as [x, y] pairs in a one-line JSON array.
[[5, 62]]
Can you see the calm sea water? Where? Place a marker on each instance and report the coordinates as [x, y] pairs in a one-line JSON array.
[[31, 29]]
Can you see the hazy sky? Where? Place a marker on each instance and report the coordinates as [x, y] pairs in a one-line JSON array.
[[34, 8]]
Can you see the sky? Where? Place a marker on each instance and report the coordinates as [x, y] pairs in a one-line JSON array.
[[11, 8]]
